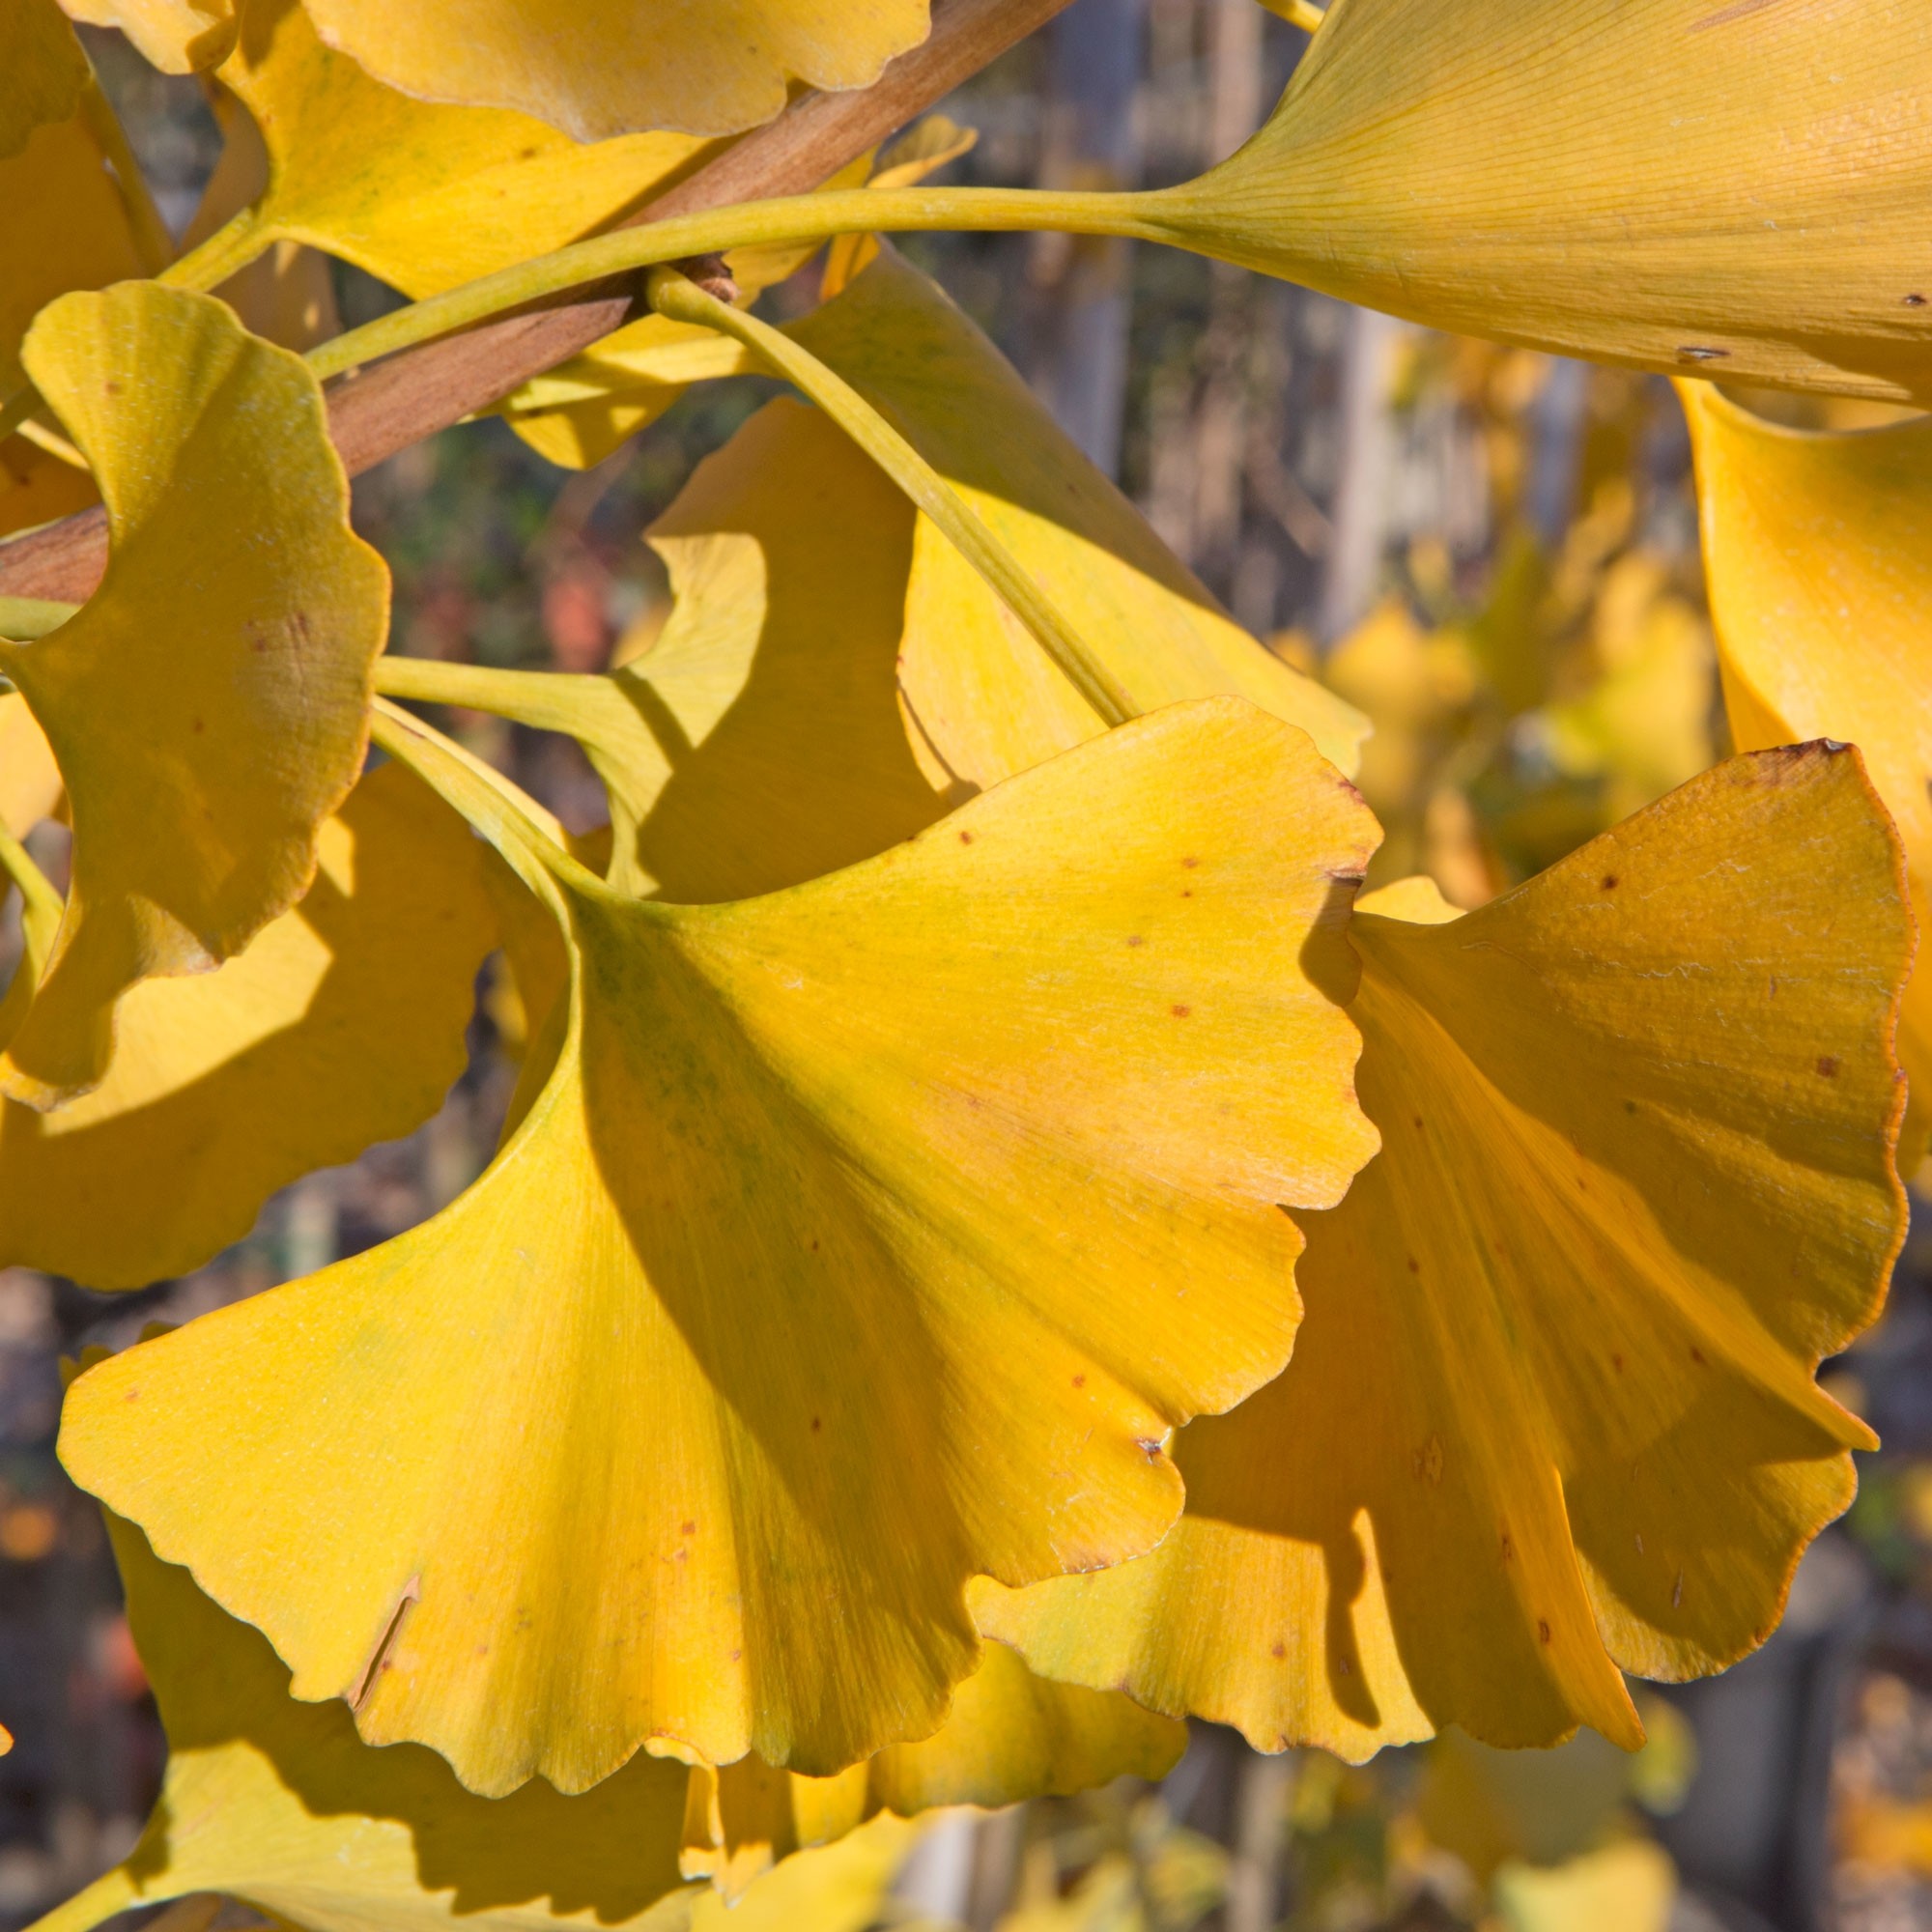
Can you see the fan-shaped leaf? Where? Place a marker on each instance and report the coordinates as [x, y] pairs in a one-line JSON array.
[[1738, 187], [615, 67], [207, 706], [341, 1025], [1550, 1413], [868, 1237]]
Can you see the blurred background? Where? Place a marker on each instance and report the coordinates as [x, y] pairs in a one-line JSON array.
[[1491, 551]]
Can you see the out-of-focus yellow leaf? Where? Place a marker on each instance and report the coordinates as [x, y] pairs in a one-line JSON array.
[[42, 73], [1009, 1736], [280, 1804], [868, 1235], [921, 152], [36, 487], [178, 36], [983, 694], [1550, 1414], [1410, 683], [1675, 183], [341, 1025], [599, 68], [840, 1887], [1644, 726], [1624, 1888], [1820, 580], [207, 705], [423, 196], [62, 225]]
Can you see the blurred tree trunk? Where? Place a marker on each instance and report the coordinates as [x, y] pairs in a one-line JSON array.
[[1078, 359]]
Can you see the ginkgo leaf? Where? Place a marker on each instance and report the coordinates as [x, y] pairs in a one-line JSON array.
[[1674, 184], [207, 705], [983, 692], [1550, 1414], [42, 73], [1819, 583], [280, 1804], [341, 1025], [30, 782], [177, 36], [425, 197], [868, 1237], [617, 66], [1009, 1736], [36, 487], [62, 225]]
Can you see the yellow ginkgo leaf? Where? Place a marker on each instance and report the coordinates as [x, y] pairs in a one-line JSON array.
[[62, 225], [979, 685], [178, 36], [617, 66], [207, 705], [868, 1237], [423, 196], [341, 1025], [36, 487], [1674, 184], [280, 1804], [1550, 1414], [1820, 582], [42, 73], [30, 782], [1009, 1736]]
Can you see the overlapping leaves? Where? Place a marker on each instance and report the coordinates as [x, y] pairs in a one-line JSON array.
[[1550, 1413], [206, 708]]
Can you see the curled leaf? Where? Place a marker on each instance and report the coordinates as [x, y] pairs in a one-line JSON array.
[[615, 66], [42, 73], [868, 1237], [1550, 1416], [1818, 579], [1682, 185], [341, 1025], [423, 196], [1009, 1736], [207, 705]]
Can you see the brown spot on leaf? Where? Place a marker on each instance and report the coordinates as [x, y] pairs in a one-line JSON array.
[[1080, 1381], [1617, 1363], [965, 839], [1180, 1013], [1190, 864], [1609, 882], [1828, 1067], [1279, 1650], [1134, 939], [816, 1425], [687, 1530], [1697, 1356], [1915, 301], [1509, 1549], [1543, 1629], [1414, 1266]]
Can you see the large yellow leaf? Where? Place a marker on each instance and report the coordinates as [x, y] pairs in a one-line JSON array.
[[1550, 1414], [178, 36], [280, 1804], [423, 196], [207, 705], [342, 1024], [598, 67], [1009, 1736], [983, 690], [866, 1236], [1744, 188], [42, 73], [1819, 569]]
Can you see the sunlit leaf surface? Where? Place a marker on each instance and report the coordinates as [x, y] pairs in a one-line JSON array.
[[423, 196], [1820, 579], [1550, 1414], [866, 1236], [207, 706], [1009, 1736], [598, 67], [341, 1025], [1733, 186]]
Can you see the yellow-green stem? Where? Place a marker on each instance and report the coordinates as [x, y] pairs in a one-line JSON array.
[[804, 217], [111, 1893], [209, 263], [22, 620], [671, 295], [534, 697], [153, 243]]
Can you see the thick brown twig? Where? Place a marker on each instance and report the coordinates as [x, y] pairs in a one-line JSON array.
[[376, 411]]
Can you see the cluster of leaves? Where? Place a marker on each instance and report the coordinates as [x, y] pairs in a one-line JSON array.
[[980, 1172]]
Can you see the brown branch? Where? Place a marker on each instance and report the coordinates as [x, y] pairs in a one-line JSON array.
[[376, 411]]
